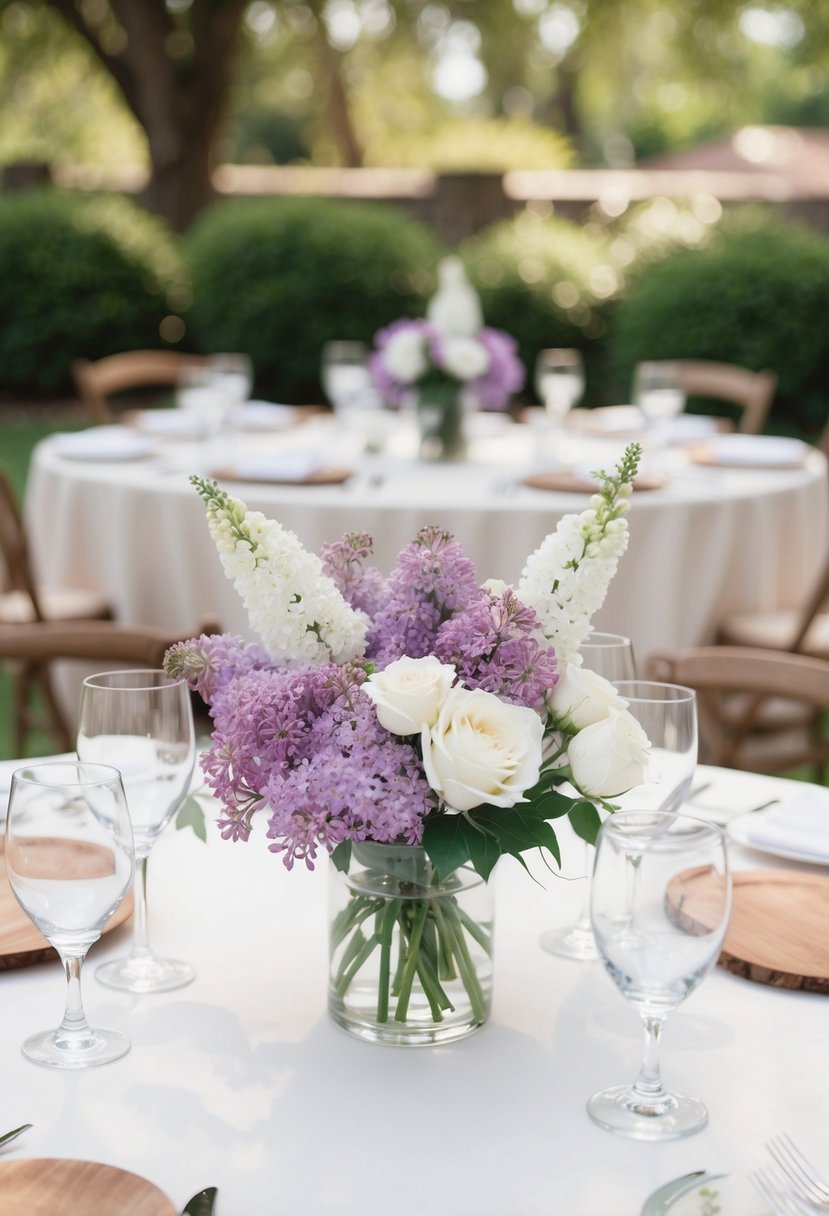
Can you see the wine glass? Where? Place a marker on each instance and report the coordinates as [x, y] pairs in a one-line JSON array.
[[668, 715], [69, 859], [657, 942], [345, 375], [202, 395], [610, 655], [232, 374], [658, 392], [559, 381], [142, 721]]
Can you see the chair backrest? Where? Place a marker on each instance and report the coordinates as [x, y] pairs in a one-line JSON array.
[[104, 641], [14, 548], [754, 676], [97, 381], [752, 391]]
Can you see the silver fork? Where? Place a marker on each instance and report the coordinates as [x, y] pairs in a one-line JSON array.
[[772, 1187], [803, 1176]]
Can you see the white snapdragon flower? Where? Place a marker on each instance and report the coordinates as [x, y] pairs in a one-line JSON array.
[[464, 358], [405, 356], [567, 578], [293, 606]]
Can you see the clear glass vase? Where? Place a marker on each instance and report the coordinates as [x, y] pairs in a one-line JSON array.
[[410, 957], [441, 418]]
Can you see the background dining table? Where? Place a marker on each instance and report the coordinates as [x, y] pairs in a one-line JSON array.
[[241, 1081], [710, 541]]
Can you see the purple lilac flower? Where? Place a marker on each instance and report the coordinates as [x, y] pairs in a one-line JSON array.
[[344, 562], [209, 662], [393, 391], [493, 645], [431, 582], [505, 374]]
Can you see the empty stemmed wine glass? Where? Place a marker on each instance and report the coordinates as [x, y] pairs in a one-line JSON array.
[[559, 381], [610, 655], [69, 859], [657, 940], [142, 722], [668, 715]]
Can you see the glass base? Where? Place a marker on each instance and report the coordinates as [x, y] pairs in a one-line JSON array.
[[147, 974], [421, 1031], [56, 1049], [576, 942], [623, 1110]]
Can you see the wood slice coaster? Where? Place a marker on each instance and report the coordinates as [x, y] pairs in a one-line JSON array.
[[20, 943], [571, 483], [320, 477], [50, 1185], [777, 932]]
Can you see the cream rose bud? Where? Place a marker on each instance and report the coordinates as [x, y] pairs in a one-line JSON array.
[[581, 698], [482, 749], [609, 757], [409, 692]]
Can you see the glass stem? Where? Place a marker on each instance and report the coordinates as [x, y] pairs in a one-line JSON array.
[[648, 1085], [74, 1018], [140, 936], [583, 922]]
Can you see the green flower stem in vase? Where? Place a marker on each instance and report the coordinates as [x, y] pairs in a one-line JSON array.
[[441, 416], [411, 957]]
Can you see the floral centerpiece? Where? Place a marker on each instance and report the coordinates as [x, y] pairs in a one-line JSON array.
[[446, 364], [416, 728]]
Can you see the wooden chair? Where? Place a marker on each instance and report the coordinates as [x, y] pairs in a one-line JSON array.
[[753, 392], [799, 630], [23, 601], [741, 740], [96, 382], [37, 645]]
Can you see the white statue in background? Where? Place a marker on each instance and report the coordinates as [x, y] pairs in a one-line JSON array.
[[455, 309]]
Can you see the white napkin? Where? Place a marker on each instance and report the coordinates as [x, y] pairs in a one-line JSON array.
[[102, 443], [176, 423], [287, 466], [770, 450], [263, 416], [688, 427], [799, 823]]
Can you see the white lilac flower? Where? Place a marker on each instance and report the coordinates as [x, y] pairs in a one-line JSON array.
[[294, 607], [464, 358], [566, 580]]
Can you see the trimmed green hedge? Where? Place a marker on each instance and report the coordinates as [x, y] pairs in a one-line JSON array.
[[78, 276], [280, 277], [757, 295]]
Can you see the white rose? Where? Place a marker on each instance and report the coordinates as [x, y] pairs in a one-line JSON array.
[[581, 698], [482, 749], [464, 358], [610, 756], [405, 356], [408, 693]]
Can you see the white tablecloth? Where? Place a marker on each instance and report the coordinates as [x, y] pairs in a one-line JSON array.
[[241, 1080], [713, 541]]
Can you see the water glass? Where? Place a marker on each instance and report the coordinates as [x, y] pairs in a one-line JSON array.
[[559, 381], [142, 721], [668, 715], [69, 860], [610, 655], [658, 392], [658, 938]]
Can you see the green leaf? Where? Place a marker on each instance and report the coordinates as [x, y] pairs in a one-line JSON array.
[[341, 856], [586, 821], [447, 840], [201, 1204], [191, 815]]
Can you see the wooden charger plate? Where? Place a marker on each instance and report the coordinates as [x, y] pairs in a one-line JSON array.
[[47, 1186], [777, 933], [320, 477], [20, 943], [570, 483]]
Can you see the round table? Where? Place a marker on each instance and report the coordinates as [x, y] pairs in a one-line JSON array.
[[711, 541]]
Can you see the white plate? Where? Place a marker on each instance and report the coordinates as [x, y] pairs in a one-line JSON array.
[[768, 451], [701, 1194], [103, 443], [263, 416], [739, 829], [169, 423]]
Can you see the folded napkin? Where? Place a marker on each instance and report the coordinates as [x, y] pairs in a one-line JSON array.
[[287, 466], [798, 824], [263, 416], [770, 450], [689, 426], [175, 423], [102, 443]]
